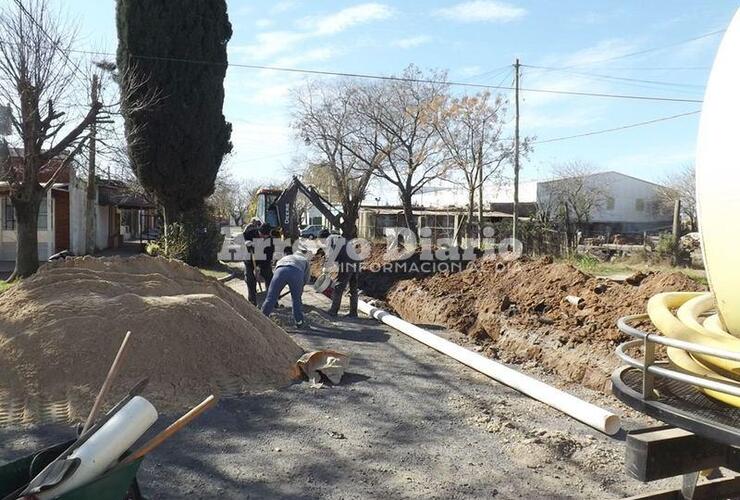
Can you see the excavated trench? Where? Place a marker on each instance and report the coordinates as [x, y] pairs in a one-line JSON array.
[[517, 311]]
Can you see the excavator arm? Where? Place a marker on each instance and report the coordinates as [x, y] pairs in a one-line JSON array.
[[284, 206]]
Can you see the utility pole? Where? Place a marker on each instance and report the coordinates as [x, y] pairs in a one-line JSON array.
[[92, 194], [676, 233], [480, 195], [515, 215]]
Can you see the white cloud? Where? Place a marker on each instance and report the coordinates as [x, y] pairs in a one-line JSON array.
[[653, 164], [263, 23], [412, 41], [283, 6], [535, 120], [261, 147], [312, 55], [346, 18], [481, 11], [271, 43], [468, 71], [606, 49]]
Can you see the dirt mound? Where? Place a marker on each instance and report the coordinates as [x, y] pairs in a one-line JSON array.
[[191, 335], [519, 312]]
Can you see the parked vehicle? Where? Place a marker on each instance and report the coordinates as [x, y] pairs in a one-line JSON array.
[[311, 232]]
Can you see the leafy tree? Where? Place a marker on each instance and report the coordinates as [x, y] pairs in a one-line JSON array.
[[179, 47]]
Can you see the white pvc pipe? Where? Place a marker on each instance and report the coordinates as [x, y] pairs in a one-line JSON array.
[[106, 446], [587, 413]]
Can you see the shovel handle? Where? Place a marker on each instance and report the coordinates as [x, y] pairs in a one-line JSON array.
[[106, 384], [169, 431]]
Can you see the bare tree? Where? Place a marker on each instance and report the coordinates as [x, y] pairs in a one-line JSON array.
[[232, 197], [328, 122], [573, 197], [36, 74], [471, 129], [319, 175], [403, 113], [681, 186]]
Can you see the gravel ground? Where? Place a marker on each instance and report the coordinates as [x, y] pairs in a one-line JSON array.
[[406, 422]]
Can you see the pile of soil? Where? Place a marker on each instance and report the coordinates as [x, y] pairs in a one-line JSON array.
[[191, 335], [517, 311]]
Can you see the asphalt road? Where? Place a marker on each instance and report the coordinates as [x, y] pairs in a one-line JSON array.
[[406, 422]]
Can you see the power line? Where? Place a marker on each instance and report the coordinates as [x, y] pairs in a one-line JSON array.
[[657, 68], [618, 78], [75, 67], [623, 127], [646, 51], [397, 78]]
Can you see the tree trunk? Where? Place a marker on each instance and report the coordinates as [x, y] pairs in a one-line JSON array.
[[471, 202], [91, 206], [27, 246], [349, 232], [408, 213], [171, 214]]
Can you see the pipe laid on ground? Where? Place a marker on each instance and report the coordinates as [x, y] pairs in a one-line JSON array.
[[587, 413]]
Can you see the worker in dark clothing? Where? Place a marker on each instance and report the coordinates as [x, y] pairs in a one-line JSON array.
[[260, 250], [348, 274], [294, 271]]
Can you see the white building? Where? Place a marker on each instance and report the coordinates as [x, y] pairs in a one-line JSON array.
[[314, 217], [627, 204]]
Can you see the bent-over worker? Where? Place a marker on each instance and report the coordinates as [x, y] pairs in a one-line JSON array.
[[293, 270]]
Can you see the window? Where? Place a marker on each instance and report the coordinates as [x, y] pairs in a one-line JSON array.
[[8, 215], [609, 203], [640, 205], [43, 220]]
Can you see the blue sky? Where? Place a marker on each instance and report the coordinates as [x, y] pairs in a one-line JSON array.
[[477, 41]]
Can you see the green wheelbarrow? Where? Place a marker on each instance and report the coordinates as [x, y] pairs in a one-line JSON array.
[[119, 483]]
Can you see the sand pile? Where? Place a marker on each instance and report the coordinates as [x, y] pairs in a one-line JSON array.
[[191, 335], [517, 311]]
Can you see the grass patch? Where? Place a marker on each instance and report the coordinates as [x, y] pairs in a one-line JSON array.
[[5, 286], [223, 269], [591, 265]]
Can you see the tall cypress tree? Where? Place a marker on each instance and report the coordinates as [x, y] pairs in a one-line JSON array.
[[176, 48]]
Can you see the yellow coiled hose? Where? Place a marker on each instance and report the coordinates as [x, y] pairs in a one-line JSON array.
[[689, 325]]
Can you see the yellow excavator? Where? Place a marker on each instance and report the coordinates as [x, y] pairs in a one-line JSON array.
[[278, 208]]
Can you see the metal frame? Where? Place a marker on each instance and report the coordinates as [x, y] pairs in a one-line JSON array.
[[650, 369]]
